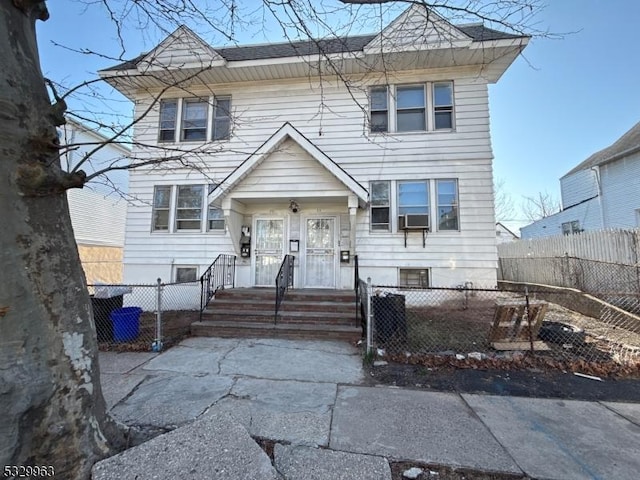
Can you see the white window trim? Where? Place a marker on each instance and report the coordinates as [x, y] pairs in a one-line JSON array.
[[436, 218], [174, 275], [390, 206], [417, 269], [180, 105], [392, 112]]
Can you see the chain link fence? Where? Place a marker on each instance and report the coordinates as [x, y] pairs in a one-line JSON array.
[[144, 317], [616, 283], [494, 323]]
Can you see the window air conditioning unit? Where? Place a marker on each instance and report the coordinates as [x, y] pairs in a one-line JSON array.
[[413, 221]]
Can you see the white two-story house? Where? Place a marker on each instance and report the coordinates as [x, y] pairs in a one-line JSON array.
[[375, 146], [602, 192]]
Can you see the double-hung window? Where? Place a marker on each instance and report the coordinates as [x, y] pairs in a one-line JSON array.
[[221, 127], [413, 199], [447, 192], [380, 206], [168, 120], [411, 107], [161, 206], [443, 105], [379, 109], [215, 215], [189, 207], [194, 119]]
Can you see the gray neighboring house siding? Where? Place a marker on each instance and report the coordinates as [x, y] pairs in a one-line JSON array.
[[600, 193]]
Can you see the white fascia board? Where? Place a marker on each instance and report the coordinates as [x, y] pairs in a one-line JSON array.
[[502, 43]]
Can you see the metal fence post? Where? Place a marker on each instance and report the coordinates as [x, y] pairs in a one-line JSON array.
[[369, 318], [157, 344]]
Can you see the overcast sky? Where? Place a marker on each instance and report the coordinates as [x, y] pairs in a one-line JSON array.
[[563, 101]]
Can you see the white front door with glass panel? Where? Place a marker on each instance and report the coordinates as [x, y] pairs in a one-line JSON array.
[[269, 247], [320, 253]]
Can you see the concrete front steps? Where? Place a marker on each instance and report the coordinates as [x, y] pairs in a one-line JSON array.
[[312, 314]]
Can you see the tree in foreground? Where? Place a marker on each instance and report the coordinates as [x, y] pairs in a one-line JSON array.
[[53, 411]]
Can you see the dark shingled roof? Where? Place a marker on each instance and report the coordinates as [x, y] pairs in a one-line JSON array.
[[478, 33], [629, 142]]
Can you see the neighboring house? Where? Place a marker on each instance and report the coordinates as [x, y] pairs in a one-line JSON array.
[[600, 193], [392, 165], [98, 211], [504, 235]]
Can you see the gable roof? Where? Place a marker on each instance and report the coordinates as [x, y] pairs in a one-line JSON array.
[[347, 44], [285, 132], [626, 145]]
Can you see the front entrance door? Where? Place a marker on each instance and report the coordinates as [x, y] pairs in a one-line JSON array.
[[269, 241], [320, 253]]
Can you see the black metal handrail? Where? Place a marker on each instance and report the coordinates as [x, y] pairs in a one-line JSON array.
[[284, 280], [356, 284], [220, 274]]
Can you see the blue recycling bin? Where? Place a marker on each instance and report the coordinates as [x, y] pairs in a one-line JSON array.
[[126, 323]]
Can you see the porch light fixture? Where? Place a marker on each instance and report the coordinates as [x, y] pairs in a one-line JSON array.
[[345, 256], [293, 206]]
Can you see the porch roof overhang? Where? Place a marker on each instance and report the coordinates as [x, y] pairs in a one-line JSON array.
[[285, 132]]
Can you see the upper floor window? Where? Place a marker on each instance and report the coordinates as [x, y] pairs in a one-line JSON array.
[[187, 119], [221, 118], [447, 193], [412, 108], [194, 120], [443, 105], [168, 120], [379, 109], [380, 206]]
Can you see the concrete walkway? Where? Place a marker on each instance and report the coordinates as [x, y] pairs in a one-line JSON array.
[[213, 395]]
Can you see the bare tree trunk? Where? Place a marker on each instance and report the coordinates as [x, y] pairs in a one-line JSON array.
[[53, 411]]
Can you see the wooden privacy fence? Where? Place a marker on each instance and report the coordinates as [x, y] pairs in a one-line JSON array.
[[613, 246]]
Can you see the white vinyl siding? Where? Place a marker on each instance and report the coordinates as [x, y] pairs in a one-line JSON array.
[[262, 108]]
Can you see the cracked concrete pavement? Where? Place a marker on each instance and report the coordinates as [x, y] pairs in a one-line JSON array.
[[213, 395]]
